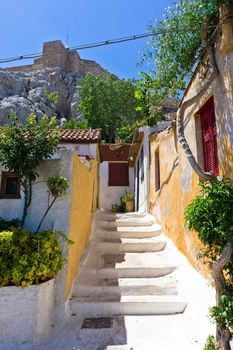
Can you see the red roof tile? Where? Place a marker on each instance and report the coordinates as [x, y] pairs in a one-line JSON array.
[[80, 136]]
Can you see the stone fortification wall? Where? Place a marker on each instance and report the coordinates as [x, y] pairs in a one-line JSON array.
[[56, 55]]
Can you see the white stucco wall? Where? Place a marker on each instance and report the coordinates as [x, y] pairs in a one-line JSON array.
[[58, 219], [144, 187], [89, 149], [111, 194]]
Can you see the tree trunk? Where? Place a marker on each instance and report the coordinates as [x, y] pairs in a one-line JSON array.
[[45, 214], [180, 122], [26, 197]]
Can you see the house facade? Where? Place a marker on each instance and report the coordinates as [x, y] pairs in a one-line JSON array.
[[116, 176], [208, 124], [72, 213]]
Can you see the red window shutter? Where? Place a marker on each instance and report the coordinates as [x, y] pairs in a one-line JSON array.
[[210, 147], [118, 174]]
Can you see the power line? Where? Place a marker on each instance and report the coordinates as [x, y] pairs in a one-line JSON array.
[[103, 43]]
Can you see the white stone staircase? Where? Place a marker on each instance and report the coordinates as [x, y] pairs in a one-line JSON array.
[[126, 270]]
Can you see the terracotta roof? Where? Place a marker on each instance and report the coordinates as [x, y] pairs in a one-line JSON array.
[[80, 136]]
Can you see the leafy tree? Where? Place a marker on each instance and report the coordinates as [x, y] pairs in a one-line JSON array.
[[22, 148], [185, 32], [109, 104], [75, 124]]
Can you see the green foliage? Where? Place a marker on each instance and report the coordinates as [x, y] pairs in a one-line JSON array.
[[27, 258], [75, 124], [7, 224], [58, 185], [118, 208], [22, 148], [174, 52], [109, 104], [223, 313], [128, 197], [210, 344], [52, 97], [210, 213]]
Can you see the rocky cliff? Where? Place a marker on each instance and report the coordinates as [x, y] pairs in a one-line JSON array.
[[27, 89]]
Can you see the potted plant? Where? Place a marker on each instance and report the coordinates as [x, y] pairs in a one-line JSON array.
[[128, 201], [57, 185]]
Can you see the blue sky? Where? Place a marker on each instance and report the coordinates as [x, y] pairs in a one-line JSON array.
[[26, 24]]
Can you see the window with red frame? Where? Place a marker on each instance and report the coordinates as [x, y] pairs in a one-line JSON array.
[[118, 174], [209, 136]]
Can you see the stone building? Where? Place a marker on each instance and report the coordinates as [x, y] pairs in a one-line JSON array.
[[56, 55]]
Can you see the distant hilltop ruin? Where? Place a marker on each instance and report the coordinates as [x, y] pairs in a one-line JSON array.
[[56, 55]]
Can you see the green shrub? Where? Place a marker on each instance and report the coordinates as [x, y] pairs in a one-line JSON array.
[[7, 224], [27, 258], [210, 213], [210, 343], [223, 313]]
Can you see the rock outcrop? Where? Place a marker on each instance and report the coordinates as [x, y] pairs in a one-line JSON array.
[[26, 89]]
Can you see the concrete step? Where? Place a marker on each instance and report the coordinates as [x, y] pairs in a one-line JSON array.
[[127, 305], [125, 221], [108, 215], [135, 265], [131, 232], [131, 245], [166, 285]]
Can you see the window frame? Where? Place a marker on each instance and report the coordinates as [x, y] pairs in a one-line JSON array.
[[209, 137], [4, 176]]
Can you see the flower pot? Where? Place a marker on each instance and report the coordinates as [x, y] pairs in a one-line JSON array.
[[129, 206]]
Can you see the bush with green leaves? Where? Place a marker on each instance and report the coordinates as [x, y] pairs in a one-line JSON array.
[[223, 313], [210, 343], [27, 258], [7, 224], [210, 215], [75, 124]]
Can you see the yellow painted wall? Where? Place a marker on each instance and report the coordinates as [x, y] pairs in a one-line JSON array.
[[83, 205], [179, 183]]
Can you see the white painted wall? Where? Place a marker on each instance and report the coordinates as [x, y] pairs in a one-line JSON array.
[[82, 148], [58, 219], [111, 194], [144, 183], [26, 313]]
